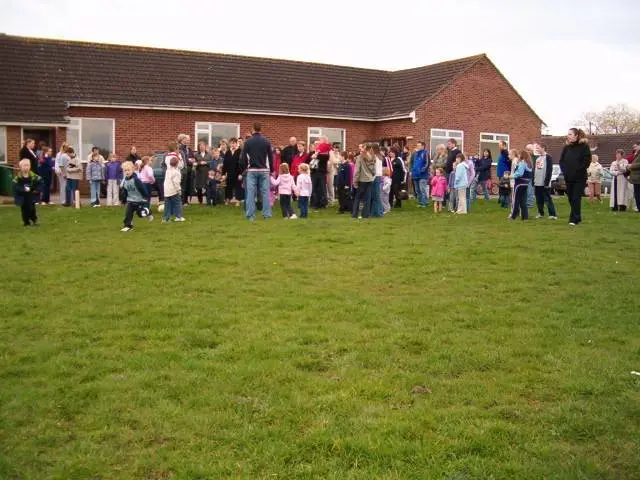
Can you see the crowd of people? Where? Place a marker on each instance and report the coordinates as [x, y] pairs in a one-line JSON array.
[[367, 183]]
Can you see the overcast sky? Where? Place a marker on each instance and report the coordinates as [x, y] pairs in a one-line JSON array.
[[563, 57]]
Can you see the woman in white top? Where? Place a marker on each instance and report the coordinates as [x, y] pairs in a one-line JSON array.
[[59, 167], [619, 184]]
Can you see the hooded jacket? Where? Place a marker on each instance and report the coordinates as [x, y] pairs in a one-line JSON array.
[[575, 160], [420, 166]]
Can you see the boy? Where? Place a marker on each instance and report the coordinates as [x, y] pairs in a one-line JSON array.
[[26, 186], [505, 189], [343, 184], [212, 187], [215, 159], [134, 193], [173, 187]]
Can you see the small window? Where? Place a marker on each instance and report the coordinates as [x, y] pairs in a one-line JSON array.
[[85, 133], [336, 136], [439, 136], [3, 144], [490, 141], [211, 133]]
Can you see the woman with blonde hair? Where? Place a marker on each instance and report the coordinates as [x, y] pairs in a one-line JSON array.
[[440, 158], [59, 168], [594, 177]]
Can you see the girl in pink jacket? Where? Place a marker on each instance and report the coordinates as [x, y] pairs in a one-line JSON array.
[[438, 189], [286, 185]]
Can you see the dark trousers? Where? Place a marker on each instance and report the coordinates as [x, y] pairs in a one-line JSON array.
[[285, 205], [636, 194], [28, 211], [363, 194], [228, 189], [303, 203], [201, 193], [520, 202], [319, 190], [239, 190], [503, 199], [46, 190], [133, 207], [395, 193], [574, 194], [344, 200], [212, 195], [72, 186], [543, 196], [187, 185]]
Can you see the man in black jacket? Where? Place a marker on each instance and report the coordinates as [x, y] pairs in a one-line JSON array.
[[452, 147], [288, 152], [257, 156]]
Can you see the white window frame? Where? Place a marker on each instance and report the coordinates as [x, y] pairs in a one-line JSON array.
[[494, 140], [319, 132], [445, 138], [78, 126], [209, 128], [4, 147]]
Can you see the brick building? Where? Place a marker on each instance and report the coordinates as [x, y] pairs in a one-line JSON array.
[[117, 96]]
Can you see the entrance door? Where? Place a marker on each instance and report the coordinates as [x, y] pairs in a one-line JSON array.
[[45, 135]]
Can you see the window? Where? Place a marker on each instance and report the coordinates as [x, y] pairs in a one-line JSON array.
[[212, 133], [490, 141], [441, 135], [3, 144], [85, 133], [335, 135]]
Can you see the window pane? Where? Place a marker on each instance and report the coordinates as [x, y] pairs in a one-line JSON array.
[[97, 133], [455, 134], [220, 131], [486, 137], [202, 137], [73, 139], [335, 135], [3, 145], [202, 127], [439, 133], [504, 138], [492, 147]]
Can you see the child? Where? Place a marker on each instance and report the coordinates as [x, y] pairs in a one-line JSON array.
[[521, 177], [303, 189], [94, 176], [172, 187], [343, 184], [461, 182], [134, 193], [398, 178], [45, 170], [438, 189], [26, 186], [219, 186], [452, 201], [113, 175], [504, 190], [215, 160], [147, 177], [212, 188], [286, 185], [386, 190], [595, 173]]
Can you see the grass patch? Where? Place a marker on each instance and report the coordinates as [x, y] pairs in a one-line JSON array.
[[290, 349]]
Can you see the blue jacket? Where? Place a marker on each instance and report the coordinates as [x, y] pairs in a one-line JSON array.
[[504, 164], [461, 180], [420, 166], [522, 174], [45, 169]]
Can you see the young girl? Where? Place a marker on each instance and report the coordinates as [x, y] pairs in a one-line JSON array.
[[25, 190], [45, 170], [386, 190], [461, 183], [135, 193], [594, 175], [438, 189], [113, 175], [521, 177], [172, 186], [95, 176], [303, 189], [286, 185]]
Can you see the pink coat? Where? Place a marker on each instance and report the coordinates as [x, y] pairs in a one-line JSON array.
[[438, 186], [285, 184]]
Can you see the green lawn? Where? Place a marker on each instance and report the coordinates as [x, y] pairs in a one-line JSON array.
[[291, 349]]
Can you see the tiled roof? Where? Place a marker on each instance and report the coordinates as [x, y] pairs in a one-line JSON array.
[[604, 146], [40, 76]]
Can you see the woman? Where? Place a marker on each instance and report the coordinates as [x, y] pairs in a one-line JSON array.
[[202, 171], [483, 175], [60, 168], [594, 177], [440, 158], [73, 170], [376, 193], [29, 153], [618, 168], [363, 175], [133, 156], [634, 176], [574, 161]]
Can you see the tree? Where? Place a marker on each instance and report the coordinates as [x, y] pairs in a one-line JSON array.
[[615, 119]]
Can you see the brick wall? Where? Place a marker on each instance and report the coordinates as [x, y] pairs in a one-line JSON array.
[[13, 144]]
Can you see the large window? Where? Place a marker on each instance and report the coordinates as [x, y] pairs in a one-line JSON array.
[[3, 144], [490, 141], [85, 133], [335, 135], [212, 133], [441, 135]]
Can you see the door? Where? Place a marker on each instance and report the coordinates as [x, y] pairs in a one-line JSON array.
[[45, 135]]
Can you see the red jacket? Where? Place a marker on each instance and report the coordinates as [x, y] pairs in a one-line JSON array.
[[323, 148], [298, 159]]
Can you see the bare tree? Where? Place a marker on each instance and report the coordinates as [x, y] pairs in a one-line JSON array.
[[615, 119]]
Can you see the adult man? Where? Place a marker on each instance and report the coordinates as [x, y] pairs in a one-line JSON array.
[[420, 174], [257, 155], [504, 164], [531, 148], [452, 148], [288, 152], [542, 170], [187, 171]]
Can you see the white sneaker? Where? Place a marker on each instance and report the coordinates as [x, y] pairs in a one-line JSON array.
[[180, 219], [572, 224], [293, 217], [539, 216], [553, 218], [126, 229], [286, 218]]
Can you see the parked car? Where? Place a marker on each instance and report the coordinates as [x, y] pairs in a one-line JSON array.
[[158, 172], [559, 186]]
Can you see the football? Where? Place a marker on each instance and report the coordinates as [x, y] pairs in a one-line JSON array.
[[161, 207]]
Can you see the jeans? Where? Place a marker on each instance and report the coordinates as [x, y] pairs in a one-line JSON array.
[[420, 187], [303, 203], [95, 192], [319, 190], [503, 199], [363, 194], [453, 200], [468, 198], [257, 183], [376, 201], [113, 197], [474, 189], [133, 207], [520, 202], [543, 196], [62, 181], [172, 206], [72, 186], [574, 194], [530, 195], [285, 205]]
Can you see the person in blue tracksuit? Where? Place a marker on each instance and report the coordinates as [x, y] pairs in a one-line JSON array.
[[522, 176], [420, 174]]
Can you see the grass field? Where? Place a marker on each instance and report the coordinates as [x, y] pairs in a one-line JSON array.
[[222, 349]]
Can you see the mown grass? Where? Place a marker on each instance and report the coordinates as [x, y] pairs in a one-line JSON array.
[[222, 349]]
